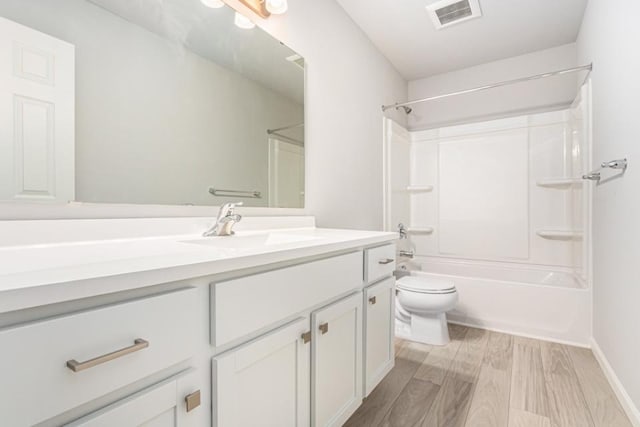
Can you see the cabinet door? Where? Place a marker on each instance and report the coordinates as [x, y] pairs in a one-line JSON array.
[[265, 382], [337, 361], [161, 405], [379, 302]]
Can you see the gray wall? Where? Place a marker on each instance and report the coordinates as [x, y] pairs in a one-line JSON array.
[[609, 37], [348, 80]]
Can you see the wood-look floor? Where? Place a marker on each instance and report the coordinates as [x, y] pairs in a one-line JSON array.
[[489, 379]]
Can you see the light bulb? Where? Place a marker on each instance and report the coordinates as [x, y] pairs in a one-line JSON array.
[[215, 4], [243, 22], [277, 7]]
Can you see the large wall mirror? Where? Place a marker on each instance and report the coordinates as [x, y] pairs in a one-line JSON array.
[[163, 102]]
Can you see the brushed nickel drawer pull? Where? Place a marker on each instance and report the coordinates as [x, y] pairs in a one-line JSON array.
[[372, 300], [76, 366], [306, 337], [385, 261], [324, 328]]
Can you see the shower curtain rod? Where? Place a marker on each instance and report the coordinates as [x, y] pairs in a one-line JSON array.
[[588, 67], [298, 125]]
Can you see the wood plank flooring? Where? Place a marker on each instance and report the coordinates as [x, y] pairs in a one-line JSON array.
[[489, 379]]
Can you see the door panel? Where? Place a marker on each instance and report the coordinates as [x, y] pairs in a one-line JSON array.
[[37, 115], [337, 361], [265, 382], [379, 302]]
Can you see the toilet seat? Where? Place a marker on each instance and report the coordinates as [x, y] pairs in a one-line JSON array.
[[425, 285]]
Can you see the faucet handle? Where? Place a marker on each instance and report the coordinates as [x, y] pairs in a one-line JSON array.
[[227, 208], [234, 205]]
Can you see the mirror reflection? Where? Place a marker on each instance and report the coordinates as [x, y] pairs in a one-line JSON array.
[[174, 104]]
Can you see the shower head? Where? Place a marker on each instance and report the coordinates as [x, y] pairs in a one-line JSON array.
[[407, 110]]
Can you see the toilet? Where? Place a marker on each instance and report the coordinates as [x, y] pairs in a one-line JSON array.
[[421, 306]]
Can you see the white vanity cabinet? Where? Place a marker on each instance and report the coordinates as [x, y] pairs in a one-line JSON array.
[[296, 342], [266, 381], [336, 361], [292, 340]]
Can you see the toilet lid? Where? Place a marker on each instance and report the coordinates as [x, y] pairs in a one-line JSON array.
[[426, 285]]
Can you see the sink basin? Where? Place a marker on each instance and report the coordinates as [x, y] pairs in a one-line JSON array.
[[253, 241]]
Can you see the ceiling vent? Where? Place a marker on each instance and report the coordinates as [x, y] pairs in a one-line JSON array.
[[445, 13]]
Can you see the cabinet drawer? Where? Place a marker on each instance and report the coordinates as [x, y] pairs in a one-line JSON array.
[[162, 404], [248, 304], [380, 262], [37, 359]]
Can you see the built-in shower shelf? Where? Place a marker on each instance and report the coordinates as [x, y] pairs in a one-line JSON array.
[[419, 188], [420, 230], [559, 182], [559, 234]]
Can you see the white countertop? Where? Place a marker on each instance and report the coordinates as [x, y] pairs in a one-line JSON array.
[[33, 275]]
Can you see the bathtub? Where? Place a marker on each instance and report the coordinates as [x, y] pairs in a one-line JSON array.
[[540, 303]]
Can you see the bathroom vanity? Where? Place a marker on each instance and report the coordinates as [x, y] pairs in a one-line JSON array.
[[278, 327]]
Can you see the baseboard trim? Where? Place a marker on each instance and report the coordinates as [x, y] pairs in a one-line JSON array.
[[625, 400], [480, 325]]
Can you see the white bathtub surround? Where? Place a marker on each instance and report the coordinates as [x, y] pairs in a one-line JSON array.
[[98, 325], [507, 216]]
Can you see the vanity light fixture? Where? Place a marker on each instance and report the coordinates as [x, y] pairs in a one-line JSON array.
[[277, 7], [243, 22], [214, 4]]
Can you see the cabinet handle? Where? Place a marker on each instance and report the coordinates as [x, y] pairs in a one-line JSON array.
[[192, 400], [76, 366], [306, 337], [385, 261], [324, 328], [372, 300]]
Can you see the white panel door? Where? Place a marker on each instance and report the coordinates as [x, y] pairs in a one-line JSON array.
[[336, 362], [265, 382], [37, 90], [484, 199], [161, 405], [379, 312], [286, 174]]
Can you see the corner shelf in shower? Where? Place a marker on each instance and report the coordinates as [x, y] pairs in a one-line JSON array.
[[420, 230], [559, 234], [558, 182], [419, 188]]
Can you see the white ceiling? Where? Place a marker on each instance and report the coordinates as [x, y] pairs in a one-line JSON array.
[[404, 33]]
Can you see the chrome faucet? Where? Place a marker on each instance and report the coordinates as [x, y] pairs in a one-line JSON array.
[[225, 221]]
